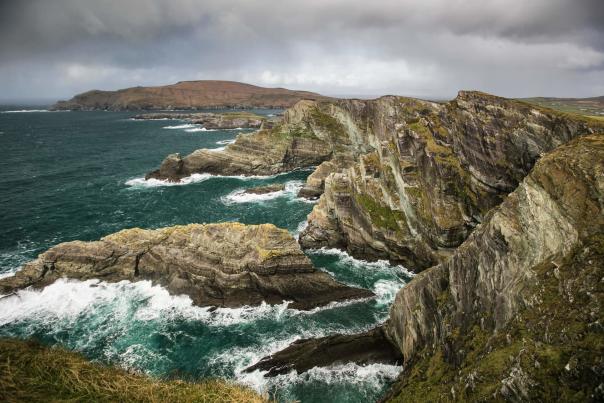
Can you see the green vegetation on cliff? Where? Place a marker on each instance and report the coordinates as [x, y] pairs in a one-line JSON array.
[[31, 372], [551, 351]]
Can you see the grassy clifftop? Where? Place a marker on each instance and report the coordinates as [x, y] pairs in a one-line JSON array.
[[31, 372]]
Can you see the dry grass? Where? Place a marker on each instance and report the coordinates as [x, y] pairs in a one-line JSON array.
[[30, 372]]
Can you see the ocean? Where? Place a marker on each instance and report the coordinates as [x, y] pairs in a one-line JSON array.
[[80, 175]]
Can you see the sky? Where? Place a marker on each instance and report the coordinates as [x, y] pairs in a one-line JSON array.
[[53, 49]]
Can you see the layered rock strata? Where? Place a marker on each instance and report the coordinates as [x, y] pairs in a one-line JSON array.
[[432, 173], [366, 348], [516, 312], [227, 265], [402, 179], [260, 190]]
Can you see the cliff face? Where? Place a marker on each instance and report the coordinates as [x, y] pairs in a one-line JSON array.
[[228, 264], [430, 172], [188, 95], [306, 137], [516, 312], [403, 179]]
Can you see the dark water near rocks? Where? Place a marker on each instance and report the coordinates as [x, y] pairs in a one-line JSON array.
[[78, 175]]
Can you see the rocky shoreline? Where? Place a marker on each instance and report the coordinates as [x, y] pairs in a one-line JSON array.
[[224, 265], [496, 203], [209, 120]]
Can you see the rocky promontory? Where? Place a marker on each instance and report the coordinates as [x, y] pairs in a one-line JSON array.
[[399, 178], [226, 265], [515, 313], [185, 95], [209, 120]]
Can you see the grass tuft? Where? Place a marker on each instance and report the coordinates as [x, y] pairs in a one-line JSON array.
[[30, 372]]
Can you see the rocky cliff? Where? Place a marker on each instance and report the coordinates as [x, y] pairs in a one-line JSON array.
[[516, 312], [188, 95], [433, 172], [228, 264], [403, 179]]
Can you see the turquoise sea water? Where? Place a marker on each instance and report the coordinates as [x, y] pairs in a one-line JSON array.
[[78, 175]]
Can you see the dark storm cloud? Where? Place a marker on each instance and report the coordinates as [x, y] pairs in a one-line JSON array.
[[53, 48]]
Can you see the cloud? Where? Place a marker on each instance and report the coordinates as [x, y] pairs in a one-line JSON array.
[[426, 48]]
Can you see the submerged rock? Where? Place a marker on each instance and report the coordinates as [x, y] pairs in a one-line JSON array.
[[226, 264], [260, 190], [365, 348]]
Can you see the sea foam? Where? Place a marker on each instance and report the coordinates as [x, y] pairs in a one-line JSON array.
[[176, 127], [152, 182], [240, 196]]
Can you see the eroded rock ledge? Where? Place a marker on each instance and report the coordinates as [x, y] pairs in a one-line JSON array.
[[226, 264], [366, 348]]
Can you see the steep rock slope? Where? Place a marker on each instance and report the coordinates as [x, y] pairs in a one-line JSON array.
[[306, 137], [227, 264], [431, 173], [516, 313], [188, 95], [403, 179]]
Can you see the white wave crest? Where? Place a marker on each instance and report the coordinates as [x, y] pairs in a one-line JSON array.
[[67, 300], [152, 182], [184, 126], [199, 129], [386, 290], [360, 263], [226, 142], [240, 195], [8, 273]]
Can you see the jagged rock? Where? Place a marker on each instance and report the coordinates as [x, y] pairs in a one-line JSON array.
[[431, 174], [524, 288], [260, 190], [403, 179], [364, 348], [227, 264], [226, 120]]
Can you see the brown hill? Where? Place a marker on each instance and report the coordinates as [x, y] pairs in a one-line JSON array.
[[188, 95]]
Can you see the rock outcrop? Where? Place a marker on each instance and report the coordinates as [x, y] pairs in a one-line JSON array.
[[227, 265], [226, 120], [260, 190], [431, 174], [516, 312], [188, 95], [366, 348], [306, 137], [402, 179]]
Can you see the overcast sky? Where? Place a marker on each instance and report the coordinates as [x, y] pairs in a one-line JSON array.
[[428, 48]]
